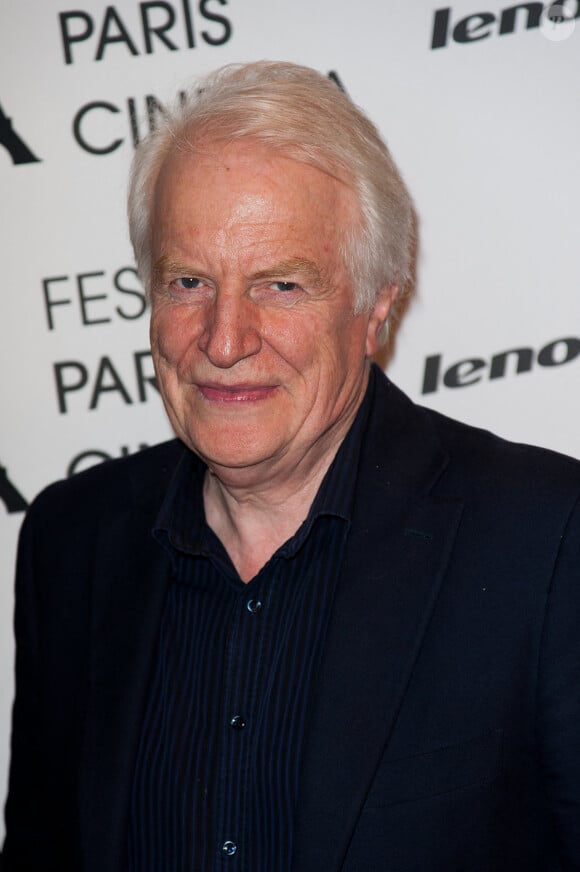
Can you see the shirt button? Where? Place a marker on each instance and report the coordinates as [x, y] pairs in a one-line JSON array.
[[254, 606], [237, 722], [229, 848]]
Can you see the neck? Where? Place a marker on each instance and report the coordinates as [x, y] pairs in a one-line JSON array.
[[253, 511]]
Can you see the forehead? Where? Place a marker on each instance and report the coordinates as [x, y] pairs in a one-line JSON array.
[[247, 183]]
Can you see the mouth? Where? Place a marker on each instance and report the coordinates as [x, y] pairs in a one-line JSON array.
[[244, 393]]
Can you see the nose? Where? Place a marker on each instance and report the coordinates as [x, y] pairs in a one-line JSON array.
[[231, 330]]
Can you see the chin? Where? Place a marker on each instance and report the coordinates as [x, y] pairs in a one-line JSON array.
[[233, 450]]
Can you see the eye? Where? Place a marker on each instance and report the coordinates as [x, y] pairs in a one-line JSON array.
[[284, 286], [187, 284]]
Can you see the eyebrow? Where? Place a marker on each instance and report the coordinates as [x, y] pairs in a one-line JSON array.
[[292, 266], [167, 266]]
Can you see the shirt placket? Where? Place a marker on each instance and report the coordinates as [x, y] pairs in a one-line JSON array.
[[244, 689]]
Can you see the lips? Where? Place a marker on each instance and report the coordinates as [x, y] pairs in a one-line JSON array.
[[245, 393]]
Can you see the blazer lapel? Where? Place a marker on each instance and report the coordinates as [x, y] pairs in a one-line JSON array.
[[130, 582], [400, 541]]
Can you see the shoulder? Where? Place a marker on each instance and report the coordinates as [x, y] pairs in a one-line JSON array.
[[469, 461], [487, 459], [140, 479]]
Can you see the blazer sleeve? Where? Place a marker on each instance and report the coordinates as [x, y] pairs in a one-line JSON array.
[[47, 712], [558, 718], [22, 806]]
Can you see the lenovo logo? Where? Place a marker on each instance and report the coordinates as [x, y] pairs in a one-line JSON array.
[[513, 19], [472, 370]]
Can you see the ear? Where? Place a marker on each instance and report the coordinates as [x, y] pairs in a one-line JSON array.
[[378, 317]]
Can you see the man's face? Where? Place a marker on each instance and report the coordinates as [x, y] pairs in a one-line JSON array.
[[259, 357]]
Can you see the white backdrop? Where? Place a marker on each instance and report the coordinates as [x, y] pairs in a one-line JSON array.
[[479, 104]]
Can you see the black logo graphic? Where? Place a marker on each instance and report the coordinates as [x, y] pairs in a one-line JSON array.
[[13, 143], [554, 14], [472, 370], [12, 499], [336, 79], [555, 21]]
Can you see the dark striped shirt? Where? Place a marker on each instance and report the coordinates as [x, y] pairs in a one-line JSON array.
[[217, 773]]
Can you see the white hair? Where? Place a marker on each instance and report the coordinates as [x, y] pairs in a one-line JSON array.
[[305, 116]]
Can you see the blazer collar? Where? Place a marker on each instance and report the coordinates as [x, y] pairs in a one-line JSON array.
[[398, 548]]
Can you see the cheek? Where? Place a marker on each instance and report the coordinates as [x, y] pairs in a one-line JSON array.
[[172, 334], [302, 338], [339, 343], [295, 338]]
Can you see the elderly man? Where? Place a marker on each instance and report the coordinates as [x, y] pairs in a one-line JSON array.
[[324, 629]]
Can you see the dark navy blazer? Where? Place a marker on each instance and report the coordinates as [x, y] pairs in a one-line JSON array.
[[445, 727]]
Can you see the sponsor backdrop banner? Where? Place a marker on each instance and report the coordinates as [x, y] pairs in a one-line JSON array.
[[478, 101]]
